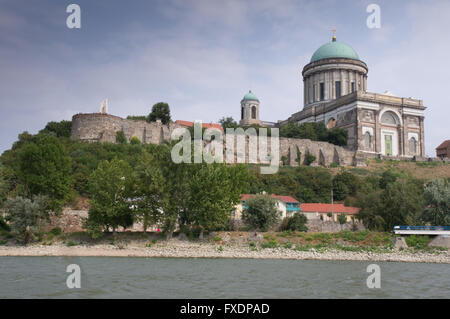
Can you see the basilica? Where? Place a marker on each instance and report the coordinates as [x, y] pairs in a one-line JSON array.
[[335, 93]]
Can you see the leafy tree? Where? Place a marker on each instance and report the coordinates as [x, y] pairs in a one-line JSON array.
[[386, 178], [150, 191], [342, 219], [399, 204], [135, 141], [45, 168], [313, 184], [337, 136], [344, 184], [5, 183], [315, 132], [215, 190], [297, 222], [228, 122], [160, 111], [437, 197], [112, 188], [59, 129], [120, 137], [27, 217], [261, 212], [137, 117]]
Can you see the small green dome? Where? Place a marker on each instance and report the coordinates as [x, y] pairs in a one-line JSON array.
[[334, 49], [250, 97]]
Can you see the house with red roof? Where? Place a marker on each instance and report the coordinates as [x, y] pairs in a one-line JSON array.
[[443, 150], [328, 212], [204, 125], [288, 205]]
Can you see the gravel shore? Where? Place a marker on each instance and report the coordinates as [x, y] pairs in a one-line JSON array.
[[185, 249]]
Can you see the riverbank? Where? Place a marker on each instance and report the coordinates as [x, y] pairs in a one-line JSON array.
[[186, 249]]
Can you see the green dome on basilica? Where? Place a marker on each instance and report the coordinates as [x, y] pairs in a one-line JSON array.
[[334, 49], [250, 97]]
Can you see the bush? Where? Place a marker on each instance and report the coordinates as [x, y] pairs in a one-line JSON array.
[[297, 222], [121, 138], [27, 217], [261, 213], [135, 141], [418, 242], [270, 244], [56, 231], [310, 159]]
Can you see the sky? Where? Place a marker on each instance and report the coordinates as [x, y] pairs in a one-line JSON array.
[[202, 57]]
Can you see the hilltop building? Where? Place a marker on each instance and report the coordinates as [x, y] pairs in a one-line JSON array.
[[335, 93]]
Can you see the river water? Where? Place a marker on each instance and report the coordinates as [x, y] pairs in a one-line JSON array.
[[106, 277]]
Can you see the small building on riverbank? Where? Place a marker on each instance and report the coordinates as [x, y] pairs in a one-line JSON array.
[[328, 212]]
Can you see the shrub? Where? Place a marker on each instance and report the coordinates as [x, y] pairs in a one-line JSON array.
[[418, 242], [217, 238], [310, 159], [135, 141], [71, 243], [261, 213], [120, 137], [297, 222], [56, 231], [270, 244]]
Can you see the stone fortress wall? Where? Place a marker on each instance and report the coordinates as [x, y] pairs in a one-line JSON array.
[[100, 127]]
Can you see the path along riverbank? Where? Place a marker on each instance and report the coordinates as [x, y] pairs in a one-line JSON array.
[[186, 249]]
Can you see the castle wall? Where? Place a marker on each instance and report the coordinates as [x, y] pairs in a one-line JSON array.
[[97, 127]]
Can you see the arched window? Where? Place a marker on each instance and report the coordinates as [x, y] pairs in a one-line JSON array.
[[242, 113], [367, 140], [412, 145], [253, 112], [389, 118], [331, 123]]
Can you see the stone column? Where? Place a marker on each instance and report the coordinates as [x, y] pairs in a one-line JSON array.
[[422, 138]]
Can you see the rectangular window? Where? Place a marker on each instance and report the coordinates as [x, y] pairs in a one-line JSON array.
[[314, 92], [338, 89], [322, 91], [353, 87]]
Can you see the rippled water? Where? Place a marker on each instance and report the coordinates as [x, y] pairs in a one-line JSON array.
[[106, 277]]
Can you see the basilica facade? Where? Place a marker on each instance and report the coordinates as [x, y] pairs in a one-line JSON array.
[[335, 93]]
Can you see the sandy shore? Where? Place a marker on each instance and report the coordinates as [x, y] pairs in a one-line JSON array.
[[186, 249]]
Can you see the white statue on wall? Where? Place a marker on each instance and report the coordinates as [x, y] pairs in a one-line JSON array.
[[104, 106]]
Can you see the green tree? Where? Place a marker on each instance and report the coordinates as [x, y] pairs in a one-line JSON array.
[[344, 184], [342, 219], [400, 203], [135, 141], [6, 176], [150, 191], [120, 137], [27, 217], [386, 178], [45, 168], [437, 198], [261, 213], [337, 136], [215, 190], [112, 188], [228, 122], [59, 129], [297, 222], [160, 111]]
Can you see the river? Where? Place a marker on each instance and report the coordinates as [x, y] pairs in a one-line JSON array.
[[106, 277]]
